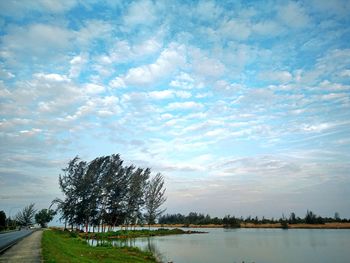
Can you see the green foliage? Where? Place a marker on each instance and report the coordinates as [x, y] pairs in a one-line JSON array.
[[311, 218], [199, 219], [191, 218], [231, 222], [105, 192], [44, 216], [2, 220], [26, 216], [59, 246], [140, 233], [154, 198]]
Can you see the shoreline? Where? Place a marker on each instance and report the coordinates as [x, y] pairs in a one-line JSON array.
[[251, 225]]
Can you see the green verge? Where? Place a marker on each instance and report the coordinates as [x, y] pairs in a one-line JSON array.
[[60, 246]]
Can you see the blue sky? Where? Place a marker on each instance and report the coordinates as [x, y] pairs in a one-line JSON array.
[[243, 106]]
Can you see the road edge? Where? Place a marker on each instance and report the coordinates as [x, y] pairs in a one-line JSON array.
[[7, 246]]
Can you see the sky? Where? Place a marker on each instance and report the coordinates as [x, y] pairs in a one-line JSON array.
[[243, 106]]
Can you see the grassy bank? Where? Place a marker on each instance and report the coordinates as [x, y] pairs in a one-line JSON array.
[[139, 233], [60, 246]]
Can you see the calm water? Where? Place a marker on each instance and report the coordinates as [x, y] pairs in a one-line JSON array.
[[250, 245]]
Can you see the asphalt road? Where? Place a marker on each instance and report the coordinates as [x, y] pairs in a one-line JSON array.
[[6, 239], [27, 250]]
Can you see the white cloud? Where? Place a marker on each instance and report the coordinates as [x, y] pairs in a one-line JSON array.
[[235, 29], [166, 116], [208, 10], [91, 30], [31, 132], [76, 65], [206, 67], [226, 88], [118, 82], [5, 74], [183, 94], [168, 61], [149, 46], [123, 51], [257, 97], [25, 7], [188, 105], [294, 15], [52, 77], [183, 80], [161, 95], [216, 132], [334, 7], [140, 13], [169, 94], [57, 6], [276, 76], [267, 28], [345, 73], [37, 42], [92, 88]]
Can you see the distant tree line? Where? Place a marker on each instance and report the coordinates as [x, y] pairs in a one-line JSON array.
[[25, 218], [105, 192], [232, 221]]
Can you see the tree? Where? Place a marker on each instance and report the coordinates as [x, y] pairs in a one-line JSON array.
[[230, 222], [113, 185], [102, 192], [135, 197], [292, 218], [25, 217], [310, 217], [336, 216], [154, 198], [44, 216], [2, 220], [71, 185]]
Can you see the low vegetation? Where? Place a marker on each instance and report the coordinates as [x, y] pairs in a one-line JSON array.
[[139, 233], [64, 246], [193, 219]]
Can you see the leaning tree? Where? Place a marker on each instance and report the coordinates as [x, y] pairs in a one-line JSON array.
[[154, 198]]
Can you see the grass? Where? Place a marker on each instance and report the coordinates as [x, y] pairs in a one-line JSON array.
[[139, 233], [61, 246]]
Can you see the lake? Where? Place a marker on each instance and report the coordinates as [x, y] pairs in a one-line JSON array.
[[249, 245]]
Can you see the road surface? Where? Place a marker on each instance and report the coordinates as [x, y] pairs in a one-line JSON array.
[[9, 238], [27, 250]]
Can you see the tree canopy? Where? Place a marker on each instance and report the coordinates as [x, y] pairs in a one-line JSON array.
[[26, 215], [107, 192], [44, 216], [2, 220]]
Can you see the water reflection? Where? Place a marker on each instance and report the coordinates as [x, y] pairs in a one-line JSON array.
[[248, 245]]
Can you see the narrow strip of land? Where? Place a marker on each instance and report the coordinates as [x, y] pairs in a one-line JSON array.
[[27, 250], [334, 225]]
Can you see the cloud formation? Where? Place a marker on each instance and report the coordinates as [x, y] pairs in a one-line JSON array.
[[236, 104]]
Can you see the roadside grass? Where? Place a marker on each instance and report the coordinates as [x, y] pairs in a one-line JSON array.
[[61, 246]]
